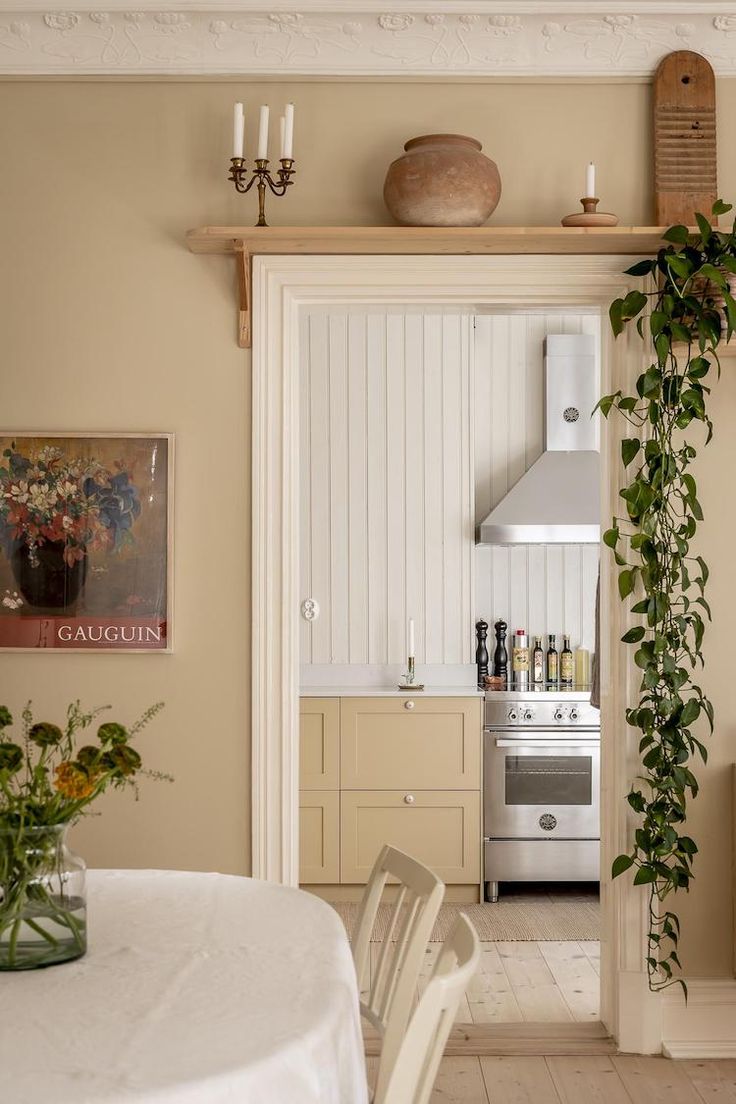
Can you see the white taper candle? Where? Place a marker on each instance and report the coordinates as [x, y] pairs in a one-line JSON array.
[[263, 134], [410, 642], [282, 129], [238, 130], [288, 143], [590, 181]]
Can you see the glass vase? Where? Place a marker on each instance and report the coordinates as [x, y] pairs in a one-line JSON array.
[[42, 898]]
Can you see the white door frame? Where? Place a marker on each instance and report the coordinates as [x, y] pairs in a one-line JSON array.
[[282, 285]]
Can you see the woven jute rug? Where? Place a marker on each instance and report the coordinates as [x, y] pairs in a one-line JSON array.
[[522, 918]]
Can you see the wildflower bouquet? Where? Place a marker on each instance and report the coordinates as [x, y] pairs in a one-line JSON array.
[[46, 783]]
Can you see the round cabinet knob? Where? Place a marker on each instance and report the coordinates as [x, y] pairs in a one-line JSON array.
[[408, 705], [559, 715], [409, 799], [574, 714], [513, 715]]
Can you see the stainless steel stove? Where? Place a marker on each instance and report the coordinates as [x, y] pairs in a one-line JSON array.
[[541, 802]]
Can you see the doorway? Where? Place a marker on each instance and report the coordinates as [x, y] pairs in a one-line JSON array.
[[282, 286]]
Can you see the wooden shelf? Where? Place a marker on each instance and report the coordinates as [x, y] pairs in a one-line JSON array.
[[419, 239], [243, 242]]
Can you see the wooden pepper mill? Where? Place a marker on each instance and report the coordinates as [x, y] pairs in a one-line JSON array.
[[481, 652], [501, 656]]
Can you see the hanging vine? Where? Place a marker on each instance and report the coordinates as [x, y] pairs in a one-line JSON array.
[[685, 318]]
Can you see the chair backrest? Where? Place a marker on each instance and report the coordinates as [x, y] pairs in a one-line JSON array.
[[412, 1075], [388, 995]]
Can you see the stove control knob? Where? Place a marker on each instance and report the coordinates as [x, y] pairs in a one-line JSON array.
[[528, 714], [513, 715], [559, 714], [574, 714]]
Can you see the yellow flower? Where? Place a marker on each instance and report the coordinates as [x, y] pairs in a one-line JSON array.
[[73, 782]]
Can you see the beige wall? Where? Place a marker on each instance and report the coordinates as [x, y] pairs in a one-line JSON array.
[[108, 323]]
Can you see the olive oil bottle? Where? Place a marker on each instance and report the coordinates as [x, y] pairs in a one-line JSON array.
[[538, 664], [553, 670], [567, 670]]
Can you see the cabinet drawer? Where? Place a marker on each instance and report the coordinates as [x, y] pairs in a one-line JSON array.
[[319, 744], [439, 827], [414, 742], [319, 847]]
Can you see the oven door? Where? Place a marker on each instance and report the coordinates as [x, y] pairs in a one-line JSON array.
[[541, 786]]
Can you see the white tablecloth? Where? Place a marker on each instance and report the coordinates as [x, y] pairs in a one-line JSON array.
[[196, 989]]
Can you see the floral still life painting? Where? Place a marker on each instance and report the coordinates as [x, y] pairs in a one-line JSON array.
[[84, 542]]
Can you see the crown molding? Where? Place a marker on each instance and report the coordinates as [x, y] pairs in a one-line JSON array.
[[359, 38]]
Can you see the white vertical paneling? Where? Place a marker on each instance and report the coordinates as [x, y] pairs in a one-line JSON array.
[[414, 424], [305, 515], [395, 488], [434, 490], [357, 387], [319, 470], [387, 491], [414, 474], [454, 533], [377, 486]]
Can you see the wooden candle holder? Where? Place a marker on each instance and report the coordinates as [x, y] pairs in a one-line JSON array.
[[589, 216]]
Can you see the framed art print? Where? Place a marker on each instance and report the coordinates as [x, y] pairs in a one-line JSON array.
[[85, 556]]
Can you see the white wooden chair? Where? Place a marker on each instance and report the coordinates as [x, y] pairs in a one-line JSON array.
[[387, 997], [412, 1075]]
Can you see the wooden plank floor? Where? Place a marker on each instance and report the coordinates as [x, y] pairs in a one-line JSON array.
[[596, 1079], [525, 982]]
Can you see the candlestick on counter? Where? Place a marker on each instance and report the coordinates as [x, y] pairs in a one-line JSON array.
[[409, 675]]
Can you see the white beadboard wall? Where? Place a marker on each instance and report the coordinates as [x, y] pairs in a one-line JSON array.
[[544, 588], [387, 520], [414, 423]]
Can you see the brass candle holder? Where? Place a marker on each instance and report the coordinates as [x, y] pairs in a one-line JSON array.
[[408, 684], [262, 179], [589, 216]]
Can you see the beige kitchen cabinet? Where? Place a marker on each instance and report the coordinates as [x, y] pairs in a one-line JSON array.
[[319, 744], [319, 837], [439, 827], [414, 742], [399, 770]]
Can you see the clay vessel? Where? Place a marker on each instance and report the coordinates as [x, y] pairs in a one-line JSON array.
[[442, 180]]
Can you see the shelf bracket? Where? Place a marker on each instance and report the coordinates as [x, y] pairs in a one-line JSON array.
[[243, 263]]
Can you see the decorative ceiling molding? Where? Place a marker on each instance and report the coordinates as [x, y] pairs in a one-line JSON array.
[[547, 38]]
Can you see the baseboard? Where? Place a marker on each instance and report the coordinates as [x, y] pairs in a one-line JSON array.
[[705, 1026]]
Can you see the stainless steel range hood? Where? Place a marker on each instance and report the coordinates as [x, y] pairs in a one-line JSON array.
[[557, 501]]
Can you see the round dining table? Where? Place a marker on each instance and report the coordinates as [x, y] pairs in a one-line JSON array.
[[195, 989]]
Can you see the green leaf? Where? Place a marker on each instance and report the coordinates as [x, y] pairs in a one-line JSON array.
[[629, 448], [645, 875], [626, 581], [621, 864], [720, 208], [634, 635], [680, 235], [615, 313], [703, 226], [610, 537]]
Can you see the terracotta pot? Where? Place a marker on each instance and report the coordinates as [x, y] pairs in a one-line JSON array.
[[442, 180]]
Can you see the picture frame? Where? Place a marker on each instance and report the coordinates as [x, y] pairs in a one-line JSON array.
[[86, 521]]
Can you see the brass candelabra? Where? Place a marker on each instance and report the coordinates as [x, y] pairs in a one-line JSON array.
[[262, 179]]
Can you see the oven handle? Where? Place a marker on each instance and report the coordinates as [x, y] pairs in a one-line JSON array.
[[559, 743]]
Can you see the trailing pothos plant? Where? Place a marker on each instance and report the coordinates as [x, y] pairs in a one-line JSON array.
[[684, 313]]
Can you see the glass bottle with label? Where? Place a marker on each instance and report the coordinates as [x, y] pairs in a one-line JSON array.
[[566, 665], [520, 660], [552, 663], [538, 664]]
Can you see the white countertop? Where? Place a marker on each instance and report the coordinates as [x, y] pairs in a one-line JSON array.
[[388, 692]]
